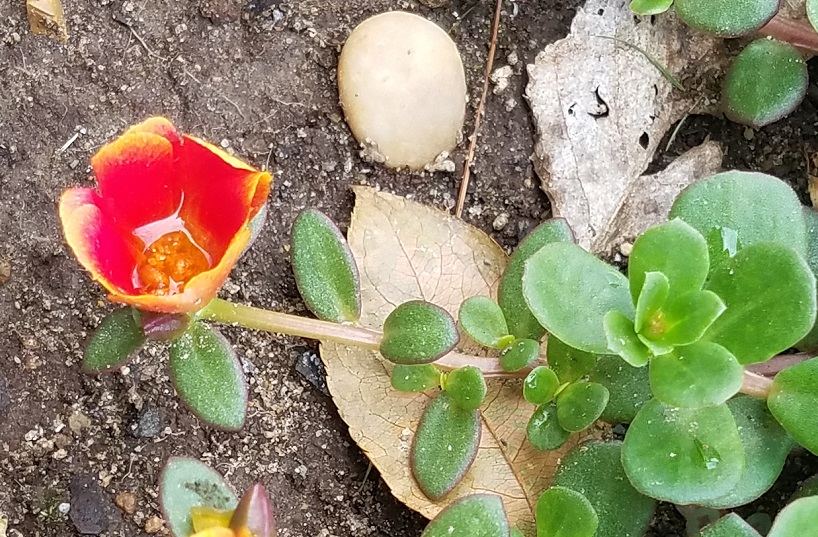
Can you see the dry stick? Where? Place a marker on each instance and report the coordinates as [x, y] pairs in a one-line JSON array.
[[464, 183], [798, 34]]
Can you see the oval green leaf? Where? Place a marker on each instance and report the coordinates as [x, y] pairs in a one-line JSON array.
[[477, 515], [415, 378], [114, 342], [544, 431], [812, 13], [726, 18], [654, 293], [522, 353], [444, 446], [697, 375], [766, 82], [580, 404], [562, 512], [568, 363], [769, 291], [628, 386], [594, 469], [208, 377], [186, 483], [793, 401], [730, 525], [325, 271], [675, 249], [466, 387], [522, 323], [650, 7], [810, 341], [417, 332], [482, 319], [624, 341], [766, 446], [540, 386], [800, 518], [732, 211], [686, 318], [683, 455], [569, 291]]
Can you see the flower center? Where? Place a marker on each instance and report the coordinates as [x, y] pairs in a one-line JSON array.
[[171, 256], [170, 262]]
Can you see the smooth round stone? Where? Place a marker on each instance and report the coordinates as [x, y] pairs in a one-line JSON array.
[[402, 88]]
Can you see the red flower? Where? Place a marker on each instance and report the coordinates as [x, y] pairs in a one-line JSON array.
[[168, 221]]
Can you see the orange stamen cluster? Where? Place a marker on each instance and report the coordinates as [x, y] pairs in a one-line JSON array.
[[169, 263]]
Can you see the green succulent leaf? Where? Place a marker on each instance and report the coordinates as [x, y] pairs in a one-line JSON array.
[[624, 341], [767, 81], [812, 13], [726, 18], [522, 353], [477, 515], [649, 305], [732, 211], [569, 291], [809, 487], [650, 7], [114, 342], [482, 319], [415, 378], [770, 296], [325, 271], [444, 446], [810, 341], [580, 404], [568, 363], [766, 446], [209, 378], [594, 469], [186, 483], [697, 375], [563, 512], [793, 401], [686, 318], [730, 525], [540, 386], [417, 332], [544, 431], [522, 323], [628, 386], [675, 249], [798, 518], [683, 455], [466, 387]]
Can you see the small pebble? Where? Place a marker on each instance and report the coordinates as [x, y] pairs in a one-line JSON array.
[[625, 249], [310, 367], [500, 222], [148, 424], [154, 525], [88, 505], [126, 501]]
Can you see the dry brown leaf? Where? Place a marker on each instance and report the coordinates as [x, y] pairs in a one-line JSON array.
[[46, 17], [601, 109], [408, 251]]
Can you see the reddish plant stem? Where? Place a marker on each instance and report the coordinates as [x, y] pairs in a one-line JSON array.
[[774, 365], [797, 33]]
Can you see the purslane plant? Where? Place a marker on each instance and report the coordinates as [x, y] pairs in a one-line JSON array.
[[727, 282], [768, 79]]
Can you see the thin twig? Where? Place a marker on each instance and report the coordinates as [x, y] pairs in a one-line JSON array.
[[464, 183], [130, 27]]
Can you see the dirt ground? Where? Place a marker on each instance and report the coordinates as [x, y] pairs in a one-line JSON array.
[[257, 76]]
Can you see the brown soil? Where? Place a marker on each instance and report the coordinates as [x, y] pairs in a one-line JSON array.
[[259, 77]]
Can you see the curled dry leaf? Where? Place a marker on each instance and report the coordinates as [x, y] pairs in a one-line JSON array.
[[46, 17], [601, 110], [406, 251]]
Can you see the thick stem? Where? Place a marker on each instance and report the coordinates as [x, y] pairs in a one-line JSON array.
[[271, 321], [776, 364], [797, 33], [756, 385]]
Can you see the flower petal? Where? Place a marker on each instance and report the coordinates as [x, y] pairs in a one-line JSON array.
[[137, 178], [220, 192], [157, 125], [200, 290], [95, 240], [215, 532]]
